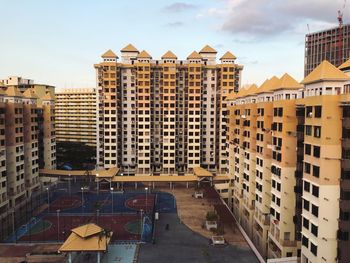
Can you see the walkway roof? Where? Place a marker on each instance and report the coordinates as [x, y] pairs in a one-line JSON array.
[[89, 237], [101, 173]]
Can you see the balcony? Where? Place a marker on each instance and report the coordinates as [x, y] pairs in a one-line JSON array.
[[274, 250], [345, 184], [288, 243]]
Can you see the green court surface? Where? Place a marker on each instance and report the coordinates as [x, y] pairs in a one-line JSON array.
[[133, 227], [39, 227]]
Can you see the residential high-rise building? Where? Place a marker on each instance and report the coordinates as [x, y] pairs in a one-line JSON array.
[[26, 133], [164, 116], [332, 44], [75, 112], [288, 162]]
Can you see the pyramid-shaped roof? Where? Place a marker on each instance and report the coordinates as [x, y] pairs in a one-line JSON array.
[[345, 65], [325, 71], [231, 96], [144, 54], [252, 90], [87, 230], [228, 55], [243, 91], [287, 82], [194, 55], [129, 48], [208, 49], [13, 91], [48, 96], [169, 54], [268, 85], [109, 54], [29, 94]]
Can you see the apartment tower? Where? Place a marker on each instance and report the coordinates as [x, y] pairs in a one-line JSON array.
[[164, 116], [26, 134], [288, 160], [332, 44], [75, 111]]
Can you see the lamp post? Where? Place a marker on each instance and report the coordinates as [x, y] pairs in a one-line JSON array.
[[112, 199], [13, 224], [82, 199], [48, 199], [58, 225], [146, 189], [69, 186], [98, 184], [141, 225]]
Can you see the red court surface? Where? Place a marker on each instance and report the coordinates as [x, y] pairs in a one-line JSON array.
[[65, 202], [139, 202], [116, 223]]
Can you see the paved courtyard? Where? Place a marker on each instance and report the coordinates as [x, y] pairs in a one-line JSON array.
[[192, 213], [181, 244]]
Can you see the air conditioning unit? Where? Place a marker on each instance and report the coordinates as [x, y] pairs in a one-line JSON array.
[[243, 116]]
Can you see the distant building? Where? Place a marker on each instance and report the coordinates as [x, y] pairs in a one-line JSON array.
[[331, 44], [167, 115], [27, 143], [76, 116]]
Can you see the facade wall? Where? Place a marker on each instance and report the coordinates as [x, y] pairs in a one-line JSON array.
[[75, 111], [21, 130], [301, 188], [168, 115], [324, 45]]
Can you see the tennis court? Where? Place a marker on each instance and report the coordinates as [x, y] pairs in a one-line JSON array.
[[130, 215]]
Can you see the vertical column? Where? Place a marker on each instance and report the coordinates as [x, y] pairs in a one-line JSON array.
[[143, 117], [194, 115], [169, 111]]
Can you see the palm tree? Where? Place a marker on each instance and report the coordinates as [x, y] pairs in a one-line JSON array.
[[107, 233]]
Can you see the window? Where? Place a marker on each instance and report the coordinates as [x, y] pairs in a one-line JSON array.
[[305, 223], [306, 205], [308, 149], [314, 230], [307, 168], [315, 190], [317, 131], [306, 186], [308, 112], [308, 130], [314, 210], [318, 111], [305, 241], [316, 171], [313, 249], [317, 151]]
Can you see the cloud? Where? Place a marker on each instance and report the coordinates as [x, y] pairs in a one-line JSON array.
[[219, 46], [178, 7], [246, 60], [268, 18], [175, 24]]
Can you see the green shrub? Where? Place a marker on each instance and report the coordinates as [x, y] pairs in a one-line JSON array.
[[211, 216]]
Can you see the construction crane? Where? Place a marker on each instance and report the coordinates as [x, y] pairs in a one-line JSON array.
[[340, 35]]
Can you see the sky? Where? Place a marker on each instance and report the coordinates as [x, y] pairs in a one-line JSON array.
[[57, 42]]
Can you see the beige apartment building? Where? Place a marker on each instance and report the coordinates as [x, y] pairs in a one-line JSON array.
[[27, 143], [288, 147], [164, 116], [75, 111]]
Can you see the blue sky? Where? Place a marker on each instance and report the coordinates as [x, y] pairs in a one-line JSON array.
[[57, 42]]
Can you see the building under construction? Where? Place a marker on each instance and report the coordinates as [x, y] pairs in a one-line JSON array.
[[331, 44]]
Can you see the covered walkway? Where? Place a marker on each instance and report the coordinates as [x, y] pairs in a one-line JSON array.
[[112, 175]]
